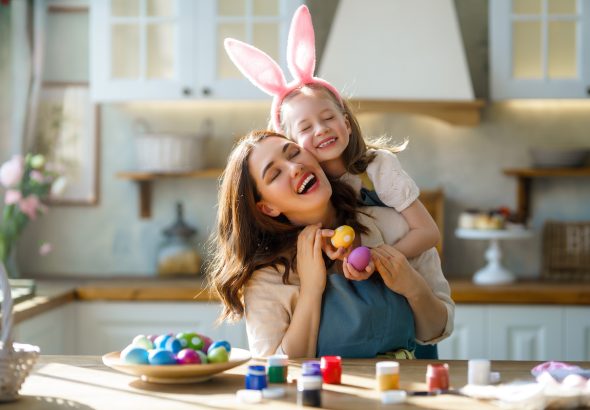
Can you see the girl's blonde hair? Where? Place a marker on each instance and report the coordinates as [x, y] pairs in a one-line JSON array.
[[246, 240], [355, 156]]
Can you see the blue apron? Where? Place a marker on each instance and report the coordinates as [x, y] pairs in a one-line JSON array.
[[370, 198], [363, 319]]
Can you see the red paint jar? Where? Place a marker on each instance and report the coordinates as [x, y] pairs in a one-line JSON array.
[[331, 369], [437, 377]]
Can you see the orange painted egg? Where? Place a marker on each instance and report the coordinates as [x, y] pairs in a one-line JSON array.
[[343, 237]]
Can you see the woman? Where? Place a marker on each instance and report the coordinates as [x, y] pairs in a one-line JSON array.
[[269, 265]]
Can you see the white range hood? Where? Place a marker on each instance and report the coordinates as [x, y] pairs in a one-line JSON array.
[[401, 55]]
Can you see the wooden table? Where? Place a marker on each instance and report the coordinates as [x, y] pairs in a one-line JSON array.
[[83, 382]]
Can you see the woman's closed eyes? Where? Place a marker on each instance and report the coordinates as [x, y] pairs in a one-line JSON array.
[[292, 152]]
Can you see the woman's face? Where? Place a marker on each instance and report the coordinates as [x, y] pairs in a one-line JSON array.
[[316, 123], [290, 181]]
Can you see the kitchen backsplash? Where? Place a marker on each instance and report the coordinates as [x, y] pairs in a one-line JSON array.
[[466, 162]]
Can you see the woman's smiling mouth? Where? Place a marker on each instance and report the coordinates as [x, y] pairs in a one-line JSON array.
[[306, 182]]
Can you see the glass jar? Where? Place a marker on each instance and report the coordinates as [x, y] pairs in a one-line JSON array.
[[178, 254]]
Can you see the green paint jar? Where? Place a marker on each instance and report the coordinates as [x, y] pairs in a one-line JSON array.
[[278, 368]]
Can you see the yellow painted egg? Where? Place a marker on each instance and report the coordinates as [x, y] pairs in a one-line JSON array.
[[343, 237]]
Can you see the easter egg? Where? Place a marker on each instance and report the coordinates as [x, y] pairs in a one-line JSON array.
[[188, 356], [173, 344], [135, 355], [360, 258], [223, 343], [207, 341], [343, 236], [218, 355], [203, 357], [190, 340], [160, 341], [161, 357], [142, 341], [152, 338]]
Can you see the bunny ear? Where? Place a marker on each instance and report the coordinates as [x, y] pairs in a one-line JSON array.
[[257, 66], [301, 45]]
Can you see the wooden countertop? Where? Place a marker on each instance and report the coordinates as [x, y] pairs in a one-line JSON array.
[[55, 292], [83, 382]]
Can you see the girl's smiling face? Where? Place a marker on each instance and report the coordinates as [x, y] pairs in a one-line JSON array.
[[289, 181], [317, 123]]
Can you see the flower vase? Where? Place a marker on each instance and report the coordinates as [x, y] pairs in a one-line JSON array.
[[11, 264]]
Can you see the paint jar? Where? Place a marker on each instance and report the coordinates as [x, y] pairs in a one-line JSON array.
[[437, 376], [387, 375], [311, 368], [478, 372], [256, 378], [309, 391], [331, 367], [277, 368]]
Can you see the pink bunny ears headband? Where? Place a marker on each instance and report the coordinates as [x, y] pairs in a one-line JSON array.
[[265, 73]]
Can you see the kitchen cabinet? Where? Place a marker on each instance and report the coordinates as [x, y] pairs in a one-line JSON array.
[[110, 326], [173, 50], [539, 49], [512, 332], [53, 331]]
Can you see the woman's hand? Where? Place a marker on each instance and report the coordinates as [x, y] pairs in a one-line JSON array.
[[310, 263], [394, 268]]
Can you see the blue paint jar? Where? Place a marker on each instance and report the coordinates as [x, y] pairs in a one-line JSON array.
[[256, 378]]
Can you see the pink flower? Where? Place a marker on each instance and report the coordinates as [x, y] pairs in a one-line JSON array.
[[12, 196], [45, 249], [11, 171], [29, 206], [37, 176]]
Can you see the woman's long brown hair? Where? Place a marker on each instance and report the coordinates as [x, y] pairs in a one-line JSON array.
[[246, 239]]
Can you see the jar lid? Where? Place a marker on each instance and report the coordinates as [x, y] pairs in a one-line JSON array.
[[278, 360], [256, 370], [393, 396], [311, 368], [330, 361], [387, 367]]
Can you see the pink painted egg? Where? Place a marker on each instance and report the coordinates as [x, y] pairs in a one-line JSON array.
[[188, 356], [360, 258]]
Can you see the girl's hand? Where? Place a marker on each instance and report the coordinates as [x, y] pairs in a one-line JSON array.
[[394, 268], [329, 249], [310, 263], [352, 274]]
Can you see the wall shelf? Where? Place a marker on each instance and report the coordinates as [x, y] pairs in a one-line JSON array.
[[524, 177], [144, 182]]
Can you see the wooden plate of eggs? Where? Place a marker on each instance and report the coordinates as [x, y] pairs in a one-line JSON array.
[[173, 359]]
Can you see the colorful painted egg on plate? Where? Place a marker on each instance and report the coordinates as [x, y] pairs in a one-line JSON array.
[[135, 355], [161, 357]]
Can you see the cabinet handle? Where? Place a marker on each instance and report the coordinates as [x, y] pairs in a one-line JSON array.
[[588, 90], [206, 91], [186, 91]]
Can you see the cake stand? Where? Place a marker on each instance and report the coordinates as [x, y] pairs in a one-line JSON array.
[[493, 273]]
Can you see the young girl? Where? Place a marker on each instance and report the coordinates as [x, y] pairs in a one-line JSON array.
[[268, 263], [312, 113]]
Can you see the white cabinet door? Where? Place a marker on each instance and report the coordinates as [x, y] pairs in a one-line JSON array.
[[539, 49], [469, 338], [173, 49], [110, 326], [141, 49], [52, 331], [525, 333], [577, 335]]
